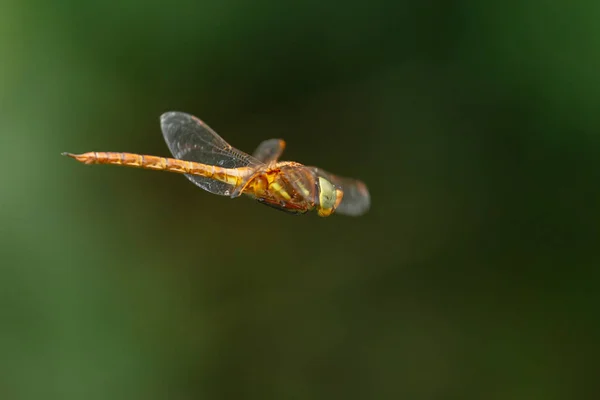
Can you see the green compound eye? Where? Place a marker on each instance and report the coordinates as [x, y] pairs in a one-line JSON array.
[[327, 197]]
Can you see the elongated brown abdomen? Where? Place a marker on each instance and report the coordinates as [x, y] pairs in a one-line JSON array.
[[233, 176]]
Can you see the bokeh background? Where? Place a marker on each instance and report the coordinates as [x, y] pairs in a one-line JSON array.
[[475, 274]]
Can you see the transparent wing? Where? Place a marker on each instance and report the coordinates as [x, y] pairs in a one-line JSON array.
[[356, 200], [191, 139], [269, 151]]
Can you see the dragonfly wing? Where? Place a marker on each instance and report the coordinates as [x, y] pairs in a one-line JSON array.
[[269, 151], [356, 200], [191, 139]]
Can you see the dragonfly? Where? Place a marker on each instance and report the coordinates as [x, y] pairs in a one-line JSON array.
[[211, 163]]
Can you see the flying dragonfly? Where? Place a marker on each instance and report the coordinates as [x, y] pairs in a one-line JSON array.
[[211, 163]]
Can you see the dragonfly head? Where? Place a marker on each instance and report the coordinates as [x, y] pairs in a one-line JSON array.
[[329, 197]]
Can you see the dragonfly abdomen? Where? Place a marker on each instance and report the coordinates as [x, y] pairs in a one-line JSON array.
[[230, 176], [135, 161]]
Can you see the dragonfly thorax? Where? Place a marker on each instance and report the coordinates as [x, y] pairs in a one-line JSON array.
[[296, 188]]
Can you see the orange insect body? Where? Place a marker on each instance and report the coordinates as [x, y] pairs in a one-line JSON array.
[[201, 155], [231, 176]]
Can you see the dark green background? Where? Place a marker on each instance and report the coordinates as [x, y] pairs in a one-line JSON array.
[[475, 275]]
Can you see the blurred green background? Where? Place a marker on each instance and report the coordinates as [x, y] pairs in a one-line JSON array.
[[475, 275]]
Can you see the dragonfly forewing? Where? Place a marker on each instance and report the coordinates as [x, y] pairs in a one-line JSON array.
[[191, 139]]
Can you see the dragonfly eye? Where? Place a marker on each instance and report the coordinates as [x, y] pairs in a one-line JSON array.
[[327, 197]]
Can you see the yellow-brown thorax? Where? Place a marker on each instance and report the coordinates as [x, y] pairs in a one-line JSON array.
[[287, 185]]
